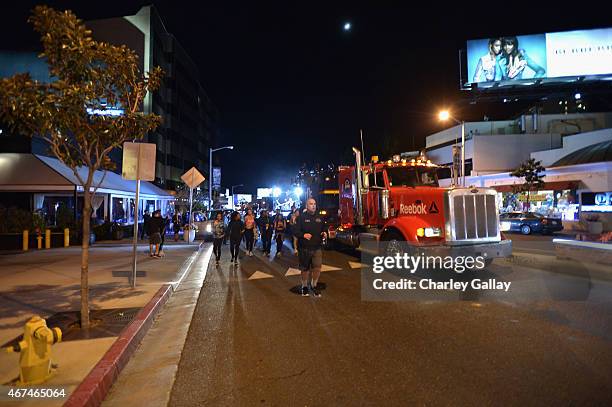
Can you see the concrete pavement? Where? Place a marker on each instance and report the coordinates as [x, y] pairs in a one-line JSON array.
[[46, 282]]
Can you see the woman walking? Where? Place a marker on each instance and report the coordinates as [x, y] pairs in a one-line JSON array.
[[235, 230], [218, 235], [293, 221], [249, 231], [280, 224]]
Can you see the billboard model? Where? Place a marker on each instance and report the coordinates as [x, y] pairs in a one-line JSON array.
[[551, 55]]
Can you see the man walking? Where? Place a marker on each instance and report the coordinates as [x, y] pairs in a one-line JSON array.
[[310, 233], [265, 228]]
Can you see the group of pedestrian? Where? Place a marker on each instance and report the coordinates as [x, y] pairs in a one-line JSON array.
[[307, 230]]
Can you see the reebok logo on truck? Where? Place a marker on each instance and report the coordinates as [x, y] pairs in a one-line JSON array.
[[413, 209]]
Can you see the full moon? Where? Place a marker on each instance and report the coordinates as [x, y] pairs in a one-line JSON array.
[[347, 26]]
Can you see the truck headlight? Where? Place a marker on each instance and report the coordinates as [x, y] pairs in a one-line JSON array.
[[429, 232], [504, 226]]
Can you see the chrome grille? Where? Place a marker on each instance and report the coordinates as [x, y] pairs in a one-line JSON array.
[[472, 216]]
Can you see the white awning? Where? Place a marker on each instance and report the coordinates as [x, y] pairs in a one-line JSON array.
[[36, 173]]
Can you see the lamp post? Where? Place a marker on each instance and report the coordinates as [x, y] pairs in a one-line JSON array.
[[445, 115], [210, 177]]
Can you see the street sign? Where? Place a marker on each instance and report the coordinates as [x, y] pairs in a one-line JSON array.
[[192, 178], [138, 161]]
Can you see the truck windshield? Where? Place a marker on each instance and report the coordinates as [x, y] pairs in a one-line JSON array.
[[412, 176]]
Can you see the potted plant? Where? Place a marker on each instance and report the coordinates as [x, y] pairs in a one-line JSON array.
[[116, 231], [190, 232], [594, 226]]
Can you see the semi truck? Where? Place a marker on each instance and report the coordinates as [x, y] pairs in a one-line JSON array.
[[400, 202]]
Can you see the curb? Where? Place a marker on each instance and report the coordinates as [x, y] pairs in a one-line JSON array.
[[594, 271], [96, 385]]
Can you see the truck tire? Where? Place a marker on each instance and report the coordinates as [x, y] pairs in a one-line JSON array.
[[395, 243]]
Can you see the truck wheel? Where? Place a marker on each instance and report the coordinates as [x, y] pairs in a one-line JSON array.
[[395, 244], [525, 229]]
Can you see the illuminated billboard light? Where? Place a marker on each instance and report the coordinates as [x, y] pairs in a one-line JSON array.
[[512, 59], [264, 193]]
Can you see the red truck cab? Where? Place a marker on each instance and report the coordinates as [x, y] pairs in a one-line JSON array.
[[401, 201]]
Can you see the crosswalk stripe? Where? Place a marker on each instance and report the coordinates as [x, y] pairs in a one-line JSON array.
[[292, 272], [258, 275], [356, 265]]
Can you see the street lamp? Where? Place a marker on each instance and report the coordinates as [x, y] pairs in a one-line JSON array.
[[445, 115], [211, 151]]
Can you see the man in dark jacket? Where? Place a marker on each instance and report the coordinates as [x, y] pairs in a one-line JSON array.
[[235, 230], [266, 226], [155, 225], [309, 230], [146, 217]]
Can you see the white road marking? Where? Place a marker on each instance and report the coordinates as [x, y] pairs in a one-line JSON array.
[[292, 272], [258, 275], [356, 265], [325, 267]]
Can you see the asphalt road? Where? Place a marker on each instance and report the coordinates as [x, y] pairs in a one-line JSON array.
[[253, 341]]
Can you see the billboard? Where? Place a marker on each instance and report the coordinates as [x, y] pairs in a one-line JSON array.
[[264, 193], [551, 55], [240, 199], [216, 181]]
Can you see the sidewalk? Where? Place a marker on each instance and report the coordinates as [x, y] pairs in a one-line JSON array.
[[48, 281]]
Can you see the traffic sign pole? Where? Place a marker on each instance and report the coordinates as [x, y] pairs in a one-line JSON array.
[[135, 248]]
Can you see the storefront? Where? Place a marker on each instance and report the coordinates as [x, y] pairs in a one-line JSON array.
[[45, 185]]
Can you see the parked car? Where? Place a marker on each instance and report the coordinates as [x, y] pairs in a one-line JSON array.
[[204, 222], [529, 222]]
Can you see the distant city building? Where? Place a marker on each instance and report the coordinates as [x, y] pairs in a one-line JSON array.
[[575, 149], [189, 117]]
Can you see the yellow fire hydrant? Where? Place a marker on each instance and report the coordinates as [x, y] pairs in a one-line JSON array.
[[35, 351]]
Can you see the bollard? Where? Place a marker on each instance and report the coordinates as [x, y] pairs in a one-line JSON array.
[[25, 242], [47, 238], [66, 237], [39, 240]]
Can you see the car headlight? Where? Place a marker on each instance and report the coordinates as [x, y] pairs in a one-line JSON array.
[[504, 226], [209, 228]]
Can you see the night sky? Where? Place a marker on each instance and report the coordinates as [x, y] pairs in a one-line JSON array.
[[293, 87]]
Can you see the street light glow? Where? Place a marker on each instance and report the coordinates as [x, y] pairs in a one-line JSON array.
[[444, 115], [347, 26], [298, 191]]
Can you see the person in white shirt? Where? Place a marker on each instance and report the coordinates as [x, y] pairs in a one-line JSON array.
[[487, 68]]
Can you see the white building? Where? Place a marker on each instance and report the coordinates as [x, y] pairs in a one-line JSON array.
[[575, 149]]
